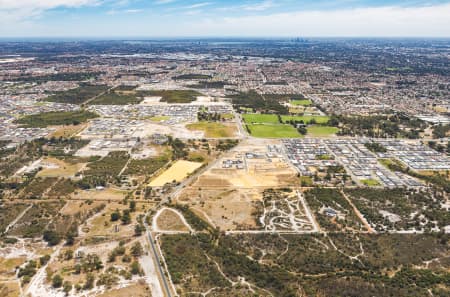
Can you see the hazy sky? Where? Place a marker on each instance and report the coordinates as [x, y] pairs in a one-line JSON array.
[[256, 18]]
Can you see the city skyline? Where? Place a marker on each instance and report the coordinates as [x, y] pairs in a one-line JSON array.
[[178, 18]]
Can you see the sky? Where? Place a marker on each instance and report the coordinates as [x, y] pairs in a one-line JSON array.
[[224, 18]]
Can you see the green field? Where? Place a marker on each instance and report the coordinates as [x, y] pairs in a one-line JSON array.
[[260, 118], [304, 102], [307, 119], [321, 131], [55, 118], [370, 182], [273, 131]]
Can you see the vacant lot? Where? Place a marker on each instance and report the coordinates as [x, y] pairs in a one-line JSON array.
[[169, 220], [214, 130], [53, 167], [56, 118], [177, 172], [273, 131]]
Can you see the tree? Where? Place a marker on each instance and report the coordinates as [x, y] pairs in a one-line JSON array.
[[135, 268], [89, 284], [51, 237], [67, 287], [138, 229], [57, 281], [126, 218], [115, 216], [137, 250], [132, 205]]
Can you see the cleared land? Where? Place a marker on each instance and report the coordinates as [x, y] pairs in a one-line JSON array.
[[177, 172], [214, 129], [273, 131]]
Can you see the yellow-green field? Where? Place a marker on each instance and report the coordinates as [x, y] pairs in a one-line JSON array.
[[177, 172], [214, 129]]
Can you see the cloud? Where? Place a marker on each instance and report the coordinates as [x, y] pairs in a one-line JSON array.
[[23, 10], [376, 21], [258, 6]]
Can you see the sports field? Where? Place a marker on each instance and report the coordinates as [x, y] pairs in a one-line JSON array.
[[260, 118], [304, 102], [273, 131], [307, 119], [178, 171], [321, 131]]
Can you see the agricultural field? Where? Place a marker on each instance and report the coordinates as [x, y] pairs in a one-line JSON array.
[[177, 172], [145, 167], [399, 209], [273, 131], [78, 95], [214, 129], [67, 131], [56, 118]]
